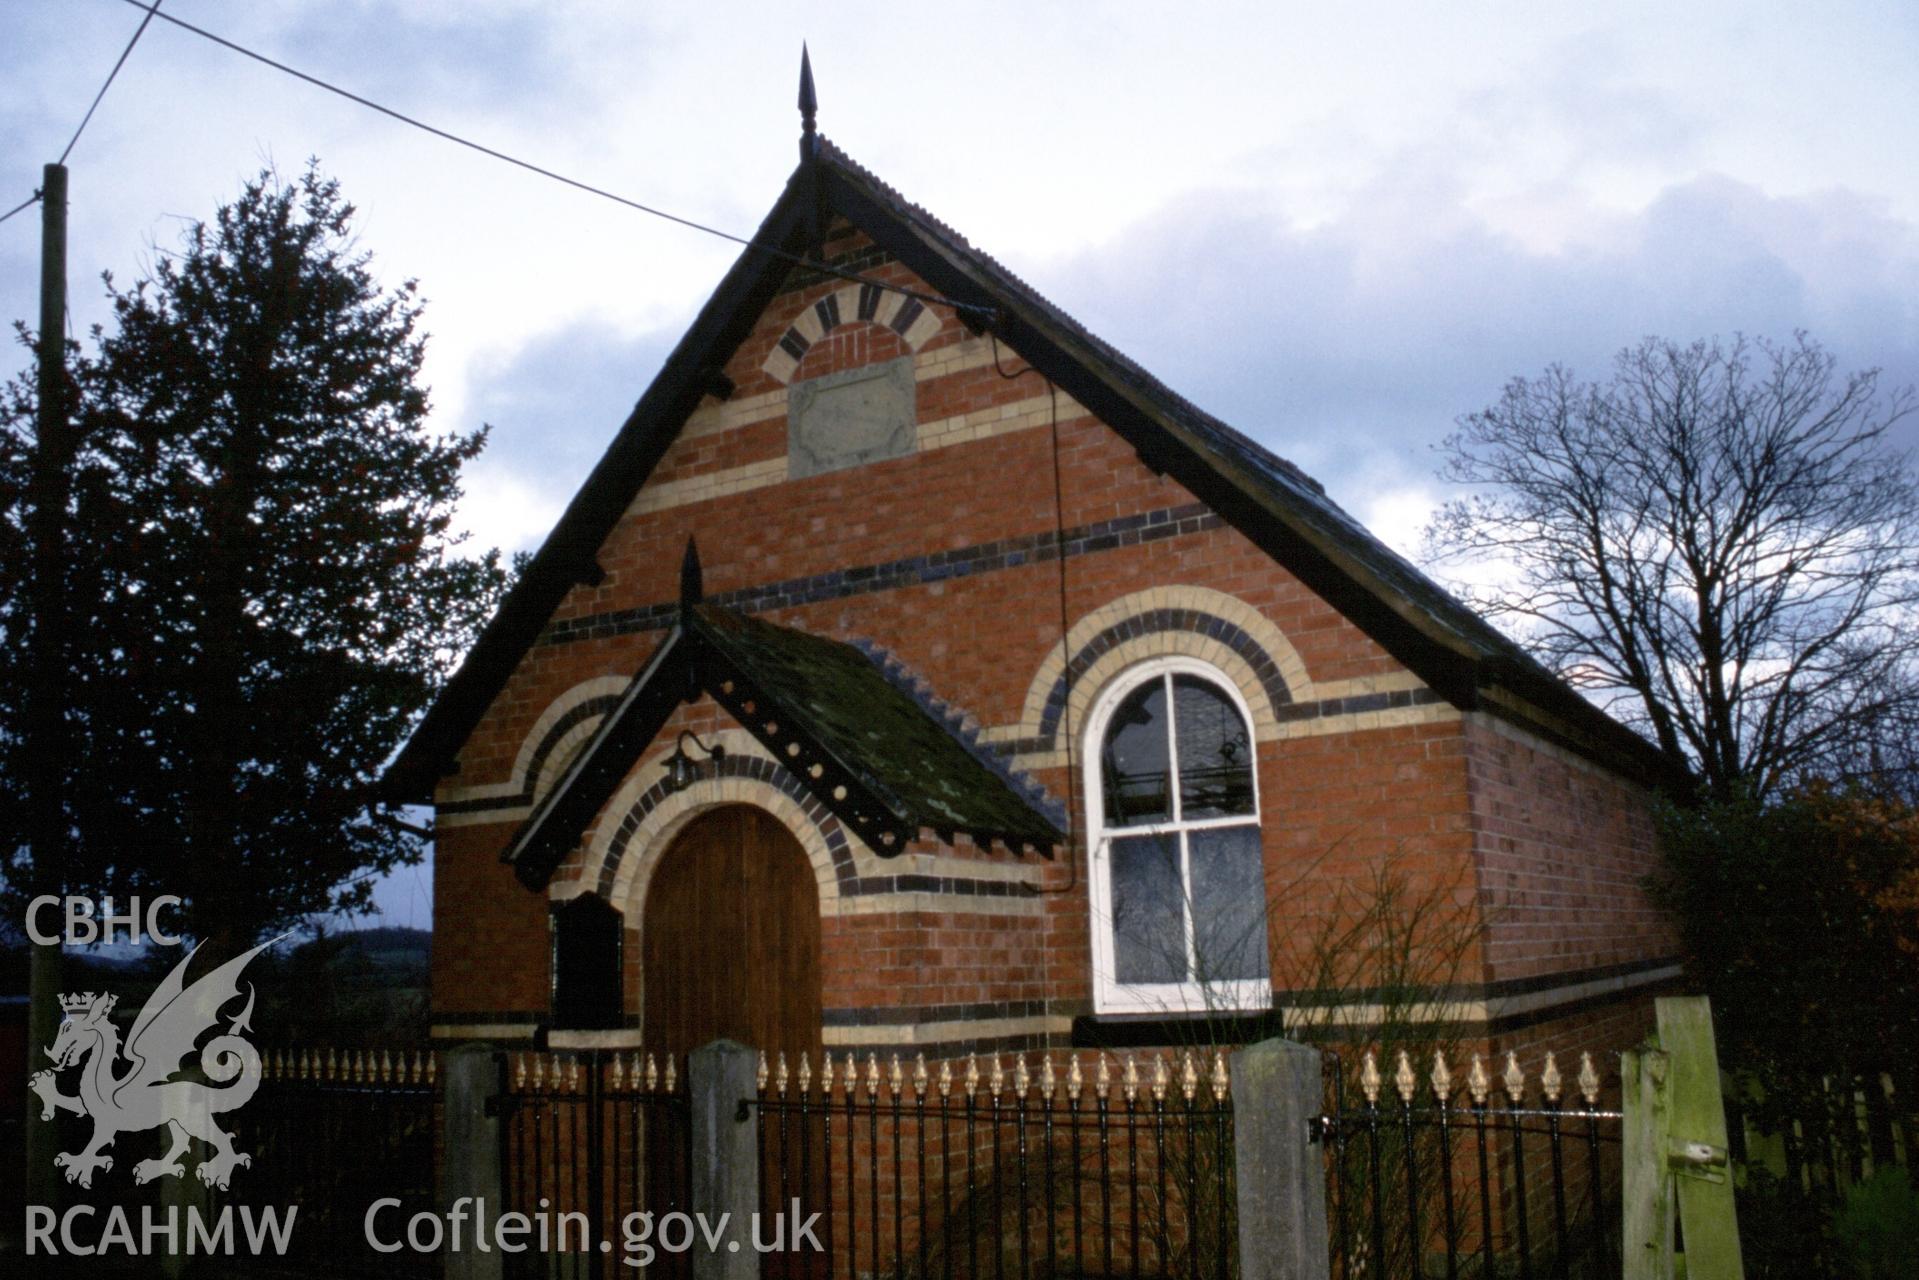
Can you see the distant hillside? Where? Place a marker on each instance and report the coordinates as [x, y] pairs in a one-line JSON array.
[[353, 988], [361, 987], [390, 947]]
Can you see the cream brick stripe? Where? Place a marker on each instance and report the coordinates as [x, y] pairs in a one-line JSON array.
[[1483, 1010], [958, 1037], [940, 433], [716, 416], [919, 1034], [514, 1031]]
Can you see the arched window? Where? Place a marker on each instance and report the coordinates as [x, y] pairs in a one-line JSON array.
[[1179, 892]]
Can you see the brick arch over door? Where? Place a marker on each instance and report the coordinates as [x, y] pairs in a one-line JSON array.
[[622, 853], [643, 817]]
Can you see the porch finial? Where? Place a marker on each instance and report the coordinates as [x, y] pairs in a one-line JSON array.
[[809, 107], [692, 586]]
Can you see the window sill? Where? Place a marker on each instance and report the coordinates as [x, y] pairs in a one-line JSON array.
[[1173, 1029]]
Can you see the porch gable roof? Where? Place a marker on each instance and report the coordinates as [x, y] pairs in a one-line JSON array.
[[882, 759]]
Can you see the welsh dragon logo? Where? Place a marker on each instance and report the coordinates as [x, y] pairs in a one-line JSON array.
[[144, 1095]]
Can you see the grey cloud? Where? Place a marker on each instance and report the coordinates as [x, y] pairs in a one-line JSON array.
[[506, 61], [1352, 347], [1588, 92], [555, 404], [1353, 351]]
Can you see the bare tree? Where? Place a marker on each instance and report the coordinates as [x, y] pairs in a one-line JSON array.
[[1721, 543]]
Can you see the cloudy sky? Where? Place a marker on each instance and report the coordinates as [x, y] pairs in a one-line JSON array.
[[1336, 226]]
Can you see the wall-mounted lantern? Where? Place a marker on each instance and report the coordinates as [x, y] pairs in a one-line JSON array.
[[681, 769]]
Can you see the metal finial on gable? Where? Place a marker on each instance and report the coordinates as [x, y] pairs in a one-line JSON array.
[[809, 107], [692, 587]]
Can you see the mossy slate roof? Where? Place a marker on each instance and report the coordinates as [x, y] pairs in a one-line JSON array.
[[913, 755], [892, 758]]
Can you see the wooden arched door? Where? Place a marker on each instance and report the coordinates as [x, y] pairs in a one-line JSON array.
[[730, 938], [730, 947]]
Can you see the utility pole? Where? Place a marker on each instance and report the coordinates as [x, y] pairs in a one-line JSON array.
[[46, 748]]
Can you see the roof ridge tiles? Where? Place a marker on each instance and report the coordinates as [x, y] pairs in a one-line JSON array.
[[915, 686]]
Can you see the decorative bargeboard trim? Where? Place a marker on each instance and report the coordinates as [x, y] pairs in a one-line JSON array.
[[643, 817]]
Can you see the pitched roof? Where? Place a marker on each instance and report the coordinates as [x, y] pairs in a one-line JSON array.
[[878, 757], [1268, 499]]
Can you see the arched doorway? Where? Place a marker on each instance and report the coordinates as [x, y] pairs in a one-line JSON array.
[[730, 938]]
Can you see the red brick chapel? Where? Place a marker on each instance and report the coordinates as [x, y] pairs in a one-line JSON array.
[[917, 673]]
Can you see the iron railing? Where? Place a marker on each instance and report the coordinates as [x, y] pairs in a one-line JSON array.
[[331, 1131], [1123, 1170], [595, 1152], [1432, 1181]]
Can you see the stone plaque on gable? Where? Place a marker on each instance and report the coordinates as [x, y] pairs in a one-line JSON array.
[[845, 419]]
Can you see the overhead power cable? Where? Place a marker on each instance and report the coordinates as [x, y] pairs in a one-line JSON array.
[[529, 166], [138, 32], [95, 104], [28, 203]]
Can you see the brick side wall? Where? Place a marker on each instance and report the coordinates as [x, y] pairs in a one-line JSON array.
[[489, 933], [1563, 851]]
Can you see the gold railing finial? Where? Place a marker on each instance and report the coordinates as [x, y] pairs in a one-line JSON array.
[[1588, 1080]]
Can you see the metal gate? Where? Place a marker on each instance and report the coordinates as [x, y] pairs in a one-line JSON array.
[[595, 1151], [1064, 1164], [1433, 1173]]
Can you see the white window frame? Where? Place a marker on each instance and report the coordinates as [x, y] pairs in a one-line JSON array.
[[1109, 994]]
